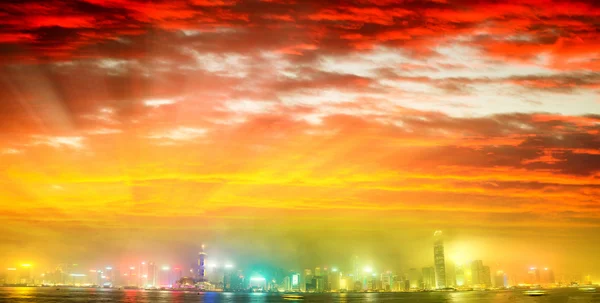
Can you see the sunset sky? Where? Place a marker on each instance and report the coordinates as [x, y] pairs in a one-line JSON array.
[[295, 130]]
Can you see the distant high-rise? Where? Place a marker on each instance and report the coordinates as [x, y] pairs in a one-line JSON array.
[[477, 272], [415, 278], [500, 279], [480, 274], [547, 276], [450, 274], [201, 269], [460, 275], [428, 278], [486, 276], [151, 274], [439, 261]]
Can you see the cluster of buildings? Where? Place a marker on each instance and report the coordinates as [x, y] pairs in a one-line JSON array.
[[443, 275]]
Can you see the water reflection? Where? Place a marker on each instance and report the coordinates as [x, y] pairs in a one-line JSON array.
[[47, 295]]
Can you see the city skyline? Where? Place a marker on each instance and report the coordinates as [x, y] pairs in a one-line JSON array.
[[300, 133], [209, 274]]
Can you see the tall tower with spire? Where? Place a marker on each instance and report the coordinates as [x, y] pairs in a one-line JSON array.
[[201, 270], [439, 260]]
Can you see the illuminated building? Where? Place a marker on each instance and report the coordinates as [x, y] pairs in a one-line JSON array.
[[357, 286], [500, 279], [151, 275], [476, 272], [165, 276], [428, 277], [117, 278], [109, 275], [143, 274], [11, 276], [343, 283], [25, 274], [355, 267], [201, 269], [480, 274], [258, 283], [326, 281], [387, 281], [450, 274], [415, 278], [533, 276], [295, 283], [439, 261], [306, 279], [286, 283], [228, 276], [132, 278], [334, 278], [460, 276], [319, 283], [547, 276], [486, 277]]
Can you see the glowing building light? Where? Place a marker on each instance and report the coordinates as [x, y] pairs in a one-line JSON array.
[[26, 265], [77, 275], [132, 268], [334, 269], [11, 268], [166, 268], [368, 269], [108, 268], [93, 270], [228, 265], [257, 279], [143, 263]]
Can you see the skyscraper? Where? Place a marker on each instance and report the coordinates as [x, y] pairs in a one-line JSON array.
[[428, 278], [414, 278], [450, 274], [480, 274], [439, 261], [500, 279], [477, 272], [486, 276], [547, 276], [151, 274], [201, 269]]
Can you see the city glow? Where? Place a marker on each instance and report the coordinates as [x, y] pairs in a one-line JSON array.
[[440, 140]]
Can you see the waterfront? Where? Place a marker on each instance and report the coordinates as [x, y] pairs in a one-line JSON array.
[[48, 295]]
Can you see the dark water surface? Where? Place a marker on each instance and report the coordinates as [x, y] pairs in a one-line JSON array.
[[46, 295]]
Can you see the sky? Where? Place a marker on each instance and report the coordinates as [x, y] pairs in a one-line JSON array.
[[301, 131]]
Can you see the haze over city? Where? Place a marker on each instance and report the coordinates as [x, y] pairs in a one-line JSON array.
[[295, 134]]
